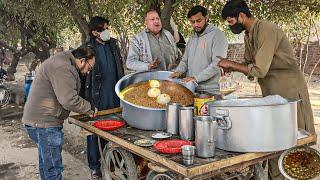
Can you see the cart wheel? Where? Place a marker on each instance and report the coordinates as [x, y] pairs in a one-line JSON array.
[[5, 96], [153, 175], [118, 164]]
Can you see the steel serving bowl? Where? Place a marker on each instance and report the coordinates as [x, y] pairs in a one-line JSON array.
[[141, 117], [292, 150]]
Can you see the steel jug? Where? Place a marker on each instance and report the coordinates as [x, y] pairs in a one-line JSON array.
[[205, 134]]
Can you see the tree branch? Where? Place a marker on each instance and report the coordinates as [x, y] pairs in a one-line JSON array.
[[166, 14], [318, 62], [79, 19], [90, 11]]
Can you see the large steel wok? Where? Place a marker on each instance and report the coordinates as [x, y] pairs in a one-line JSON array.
[[144, 117]]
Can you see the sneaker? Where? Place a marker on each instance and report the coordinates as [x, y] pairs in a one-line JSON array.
[[96, 175]]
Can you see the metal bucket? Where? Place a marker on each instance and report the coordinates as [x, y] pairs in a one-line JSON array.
[[143, 117], [256, 128]]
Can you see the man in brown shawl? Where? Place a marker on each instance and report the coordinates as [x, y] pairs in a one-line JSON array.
[[269, 57]]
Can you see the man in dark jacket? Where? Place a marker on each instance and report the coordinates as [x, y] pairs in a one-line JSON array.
[[98, 86]]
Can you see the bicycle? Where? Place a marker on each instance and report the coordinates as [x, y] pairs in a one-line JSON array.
[[5, 94]]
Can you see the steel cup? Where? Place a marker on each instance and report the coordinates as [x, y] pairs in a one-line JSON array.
[[172, 113], [186, 123]]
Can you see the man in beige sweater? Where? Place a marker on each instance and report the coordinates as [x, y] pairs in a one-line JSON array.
[[54, 93]]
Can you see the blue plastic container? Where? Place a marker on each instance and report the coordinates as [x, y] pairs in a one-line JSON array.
[[27, 86]]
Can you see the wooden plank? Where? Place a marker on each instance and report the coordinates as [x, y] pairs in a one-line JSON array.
[[145, 153], [247, 159], [109, 111], [202, 167], [99, 113]]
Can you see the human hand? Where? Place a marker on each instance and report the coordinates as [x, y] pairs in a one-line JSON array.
[[93, 113], [224, 63], [171, 66], [189, 79], [175, 75], [225, 72], [154, 64]]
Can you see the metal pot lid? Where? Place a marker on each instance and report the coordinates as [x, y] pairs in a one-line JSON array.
[[300, 162], [251, 102]]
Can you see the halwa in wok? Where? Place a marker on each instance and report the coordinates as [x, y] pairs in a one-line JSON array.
[[140, 94]]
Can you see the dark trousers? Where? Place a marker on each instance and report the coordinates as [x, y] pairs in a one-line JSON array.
[[93, 154]]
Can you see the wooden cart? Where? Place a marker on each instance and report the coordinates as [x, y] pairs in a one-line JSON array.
[[120, 160]]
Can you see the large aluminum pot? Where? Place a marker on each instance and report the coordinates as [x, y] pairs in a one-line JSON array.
[[262, 128], [143, 117]]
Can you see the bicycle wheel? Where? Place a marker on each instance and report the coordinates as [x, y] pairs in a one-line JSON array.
[[5, 96]]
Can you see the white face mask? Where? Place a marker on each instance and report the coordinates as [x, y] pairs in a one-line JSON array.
[[104, 35]]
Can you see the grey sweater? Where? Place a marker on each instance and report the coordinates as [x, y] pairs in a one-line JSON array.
[[54, 93], [139, 55], [200, 61]]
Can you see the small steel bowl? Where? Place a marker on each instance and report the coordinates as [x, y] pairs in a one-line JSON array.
[[291, 150]]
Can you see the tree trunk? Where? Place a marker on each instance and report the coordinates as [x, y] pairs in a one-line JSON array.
[[124, 45], [84, 35], [300, 54], [13, 67], [82, 25], [2, 56], [307, 52], [90, 11], [166, 14], [79, 19], [318, 62], [155, 4]]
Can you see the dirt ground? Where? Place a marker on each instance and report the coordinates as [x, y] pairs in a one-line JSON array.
[[18, 154]]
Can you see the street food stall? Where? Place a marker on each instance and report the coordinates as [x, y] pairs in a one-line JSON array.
[[124, 138], [225, 140]]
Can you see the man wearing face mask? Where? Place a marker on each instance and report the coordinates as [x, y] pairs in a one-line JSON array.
[[54, 93], [98, 86], [270, 58], [153, 48], [200, 57]]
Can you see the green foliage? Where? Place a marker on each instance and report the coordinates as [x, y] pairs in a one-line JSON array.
[[292, 16], [126, 17], [55, 19]]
